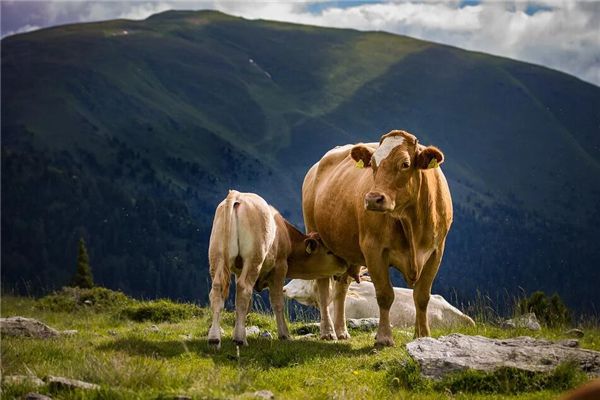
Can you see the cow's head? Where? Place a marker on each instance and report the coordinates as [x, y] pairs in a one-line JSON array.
[[396, 164]]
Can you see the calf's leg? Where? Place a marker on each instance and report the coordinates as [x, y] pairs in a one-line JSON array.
[[216, 304], [276, 297], [243, 297]]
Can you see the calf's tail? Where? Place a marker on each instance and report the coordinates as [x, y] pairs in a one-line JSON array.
[[230, 240]]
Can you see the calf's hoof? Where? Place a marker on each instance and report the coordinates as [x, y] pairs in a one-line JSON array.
[[328, 336], [216, 343], [343, 336], [284, 337]]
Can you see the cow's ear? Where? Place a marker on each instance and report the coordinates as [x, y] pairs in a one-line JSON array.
[[311, 245], [362, 155], [429, 157]]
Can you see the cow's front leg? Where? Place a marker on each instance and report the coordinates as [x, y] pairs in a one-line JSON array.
[[327, 331], [422, 293], [243, 297], [380, 276], [340, 288], [276, 297]]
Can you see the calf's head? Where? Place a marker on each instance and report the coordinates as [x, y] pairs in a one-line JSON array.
[[396, 165], [312, 255]]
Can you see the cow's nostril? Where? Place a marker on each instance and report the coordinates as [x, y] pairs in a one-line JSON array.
[[379, 200]]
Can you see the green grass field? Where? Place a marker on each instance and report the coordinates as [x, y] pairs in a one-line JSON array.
[[132, 361]]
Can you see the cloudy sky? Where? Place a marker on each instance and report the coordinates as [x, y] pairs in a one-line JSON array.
[[563, 35]]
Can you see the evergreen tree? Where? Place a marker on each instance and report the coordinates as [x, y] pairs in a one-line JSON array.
[[83, 275]]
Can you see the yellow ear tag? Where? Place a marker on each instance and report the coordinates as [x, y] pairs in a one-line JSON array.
[[433, 163], [360, 164]]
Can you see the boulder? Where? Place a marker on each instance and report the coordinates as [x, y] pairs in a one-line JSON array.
[[264, 395], [457, 352], [252, 330], [266, 335], [28, 327], [69, 332], [29, 380], [528, 321], [577, 333], [60, 383], [365, 324]]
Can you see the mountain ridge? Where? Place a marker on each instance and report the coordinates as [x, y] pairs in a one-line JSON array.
[[172, 111]]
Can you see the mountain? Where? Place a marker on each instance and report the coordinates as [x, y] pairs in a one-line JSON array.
[[129, 133]]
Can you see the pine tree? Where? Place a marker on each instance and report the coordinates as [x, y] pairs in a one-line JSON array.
[[83, 276]]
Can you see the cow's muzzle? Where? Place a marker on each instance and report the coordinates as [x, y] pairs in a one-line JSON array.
[[376, 201]]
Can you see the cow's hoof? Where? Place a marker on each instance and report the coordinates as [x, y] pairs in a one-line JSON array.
[[343, 336], [240, 342], [384, 342], [216, 343], [328, 336]]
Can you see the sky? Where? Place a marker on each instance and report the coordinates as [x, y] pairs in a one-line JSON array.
[[559, 34]]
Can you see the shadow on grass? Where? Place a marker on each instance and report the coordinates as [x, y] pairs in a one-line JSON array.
[[261, 353]]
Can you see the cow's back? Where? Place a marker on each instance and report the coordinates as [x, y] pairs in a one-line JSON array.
[[332, 199]]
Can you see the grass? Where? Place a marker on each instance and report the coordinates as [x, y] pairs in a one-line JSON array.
[[132, 361]]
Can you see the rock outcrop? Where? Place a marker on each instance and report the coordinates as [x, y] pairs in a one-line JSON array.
[[456, 352], [28, 327]]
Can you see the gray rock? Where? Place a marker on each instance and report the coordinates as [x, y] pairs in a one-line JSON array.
[[577, 333], [154, 328], [312, 327], [456, 352], [60, 383], [266, 335], [88, 302], [528, 321], [29, 327], [264, 394], [307, 336], [29, 380], [252, 330], [36, 396], [365, 324], [69, 332]]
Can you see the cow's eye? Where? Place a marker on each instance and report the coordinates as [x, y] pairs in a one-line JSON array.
[[405, 165]]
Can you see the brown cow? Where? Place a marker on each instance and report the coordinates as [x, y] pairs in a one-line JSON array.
[[251, 239], [380, 205]]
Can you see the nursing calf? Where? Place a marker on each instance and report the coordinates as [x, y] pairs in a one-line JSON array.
[[362, 303], [252, 240]]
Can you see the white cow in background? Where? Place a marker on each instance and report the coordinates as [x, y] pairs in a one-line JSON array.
[[361, 303]]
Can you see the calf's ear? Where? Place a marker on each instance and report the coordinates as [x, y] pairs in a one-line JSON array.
[[429, 157], [362, 155], [311, 245]]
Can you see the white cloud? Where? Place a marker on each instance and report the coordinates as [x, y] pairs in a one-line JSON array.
[[563, 35]]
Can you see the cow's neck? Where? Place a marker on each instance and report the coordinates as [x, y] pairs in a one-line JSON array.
[[419, 222]]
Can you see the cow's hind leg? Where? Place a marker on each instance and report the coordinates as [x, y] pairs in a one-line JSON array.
[[276, 297], [327, 331], [243, 296], [340, 288]]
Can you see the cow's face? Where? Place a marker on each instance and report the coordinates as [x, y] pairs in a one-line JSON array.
[[303, 291], [395, 164]]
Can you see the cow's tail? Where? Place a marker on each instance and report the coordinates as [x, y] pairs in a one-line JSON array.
[[230, 240], [468, 321]]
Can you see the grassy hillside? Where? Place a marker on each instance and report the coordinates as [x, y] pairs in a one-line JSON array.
[[134, 360], [129, 133]]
